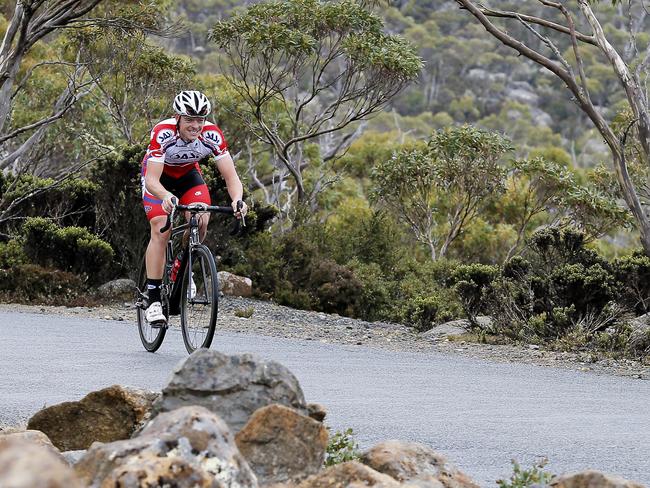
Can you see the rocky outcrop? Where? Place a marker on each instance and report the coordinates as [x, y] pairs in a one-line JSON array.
[[106, 415], [416, 463], [30, 464], [231, 284], [33, 437], [121, 289], [592, 479], [280, 444], [190, 446], [232, 387], [351, 474]]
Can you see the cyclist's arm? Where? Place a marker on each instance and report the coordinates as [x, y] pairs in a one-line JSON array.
[[152, 180], [226, 167], [153, 185]]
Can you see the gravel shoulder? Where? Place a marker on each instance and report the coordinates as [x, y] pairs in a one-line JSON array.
[[270, 319]]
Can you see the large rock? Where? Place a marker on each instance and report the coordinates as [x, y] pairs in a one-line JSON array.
[[106, 415], [592, 479], [280, 444], [121, 289], [34, 437], [233, 387], [351, 474], [406, 461], [238, 286], [188, 447], [28, 464]]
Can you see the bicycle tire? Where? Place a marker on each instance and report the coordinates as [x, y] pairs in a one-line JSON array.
[[206, 295], [152, 338]]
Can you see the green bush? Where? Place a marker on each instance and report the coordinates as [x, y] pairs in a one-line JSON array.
[[335, 288], [120, 218], [69, 203], [423, 312], [72, 249], [473, 284], [525, 478], [12, 254], [341, 448], [27, 283], [633, 272]]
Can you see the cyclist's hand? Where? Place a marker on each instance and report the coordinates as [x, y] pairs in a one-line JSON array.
[[169, 203], [241, 210]]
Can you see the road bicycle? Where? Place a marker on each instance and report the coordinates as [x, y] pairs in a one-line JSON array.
[[190, 290]]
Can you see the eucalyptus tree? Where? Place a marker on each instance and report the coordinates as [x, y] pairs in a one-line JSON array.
[[630, 64], [441, 188], [41, 21], [307, 71]]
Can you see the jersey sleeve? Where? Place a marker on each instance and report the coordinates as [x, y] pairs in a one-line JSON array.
[[214, 139], [161, 134]]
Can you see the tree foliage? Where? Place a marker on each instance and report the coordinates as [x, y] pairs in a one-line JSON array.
[[441, 188], [307, 69]]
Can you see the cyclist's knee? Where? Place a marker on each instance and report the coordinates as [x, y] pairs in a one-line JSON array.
[[158, 223]]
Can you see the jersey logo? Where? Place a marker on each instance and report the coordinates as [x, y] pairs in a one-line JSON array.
[[164, 135], [147, 208], [213, 136], [185, 156], [197, 193]]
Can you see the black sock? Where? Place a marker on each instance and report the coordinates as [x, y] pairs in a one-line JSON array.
[[153, 287]]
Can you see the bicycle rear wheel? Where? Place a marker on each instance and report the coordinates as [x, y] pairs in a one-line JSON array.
[[199, 303], [151, 337]]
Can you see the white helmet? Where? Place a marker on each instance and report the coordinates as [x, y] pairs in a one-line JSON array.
[[192, 104]]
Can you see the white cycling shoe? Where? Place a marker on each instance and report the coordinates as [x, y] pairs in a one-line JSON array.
[[192, 289], [154, 314]]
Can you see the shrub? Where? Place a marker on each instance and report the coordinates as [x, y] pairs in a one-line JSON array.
[[423, 312], [634, 272], [341, 448], [335, 287], [12, 254], [524, 478], [69, 203], [473, 285], [121, 220], [26, 283], [72, 249]]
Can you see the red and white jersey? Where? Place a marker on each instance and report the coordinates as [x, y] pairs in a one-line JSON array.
[[179, 156]]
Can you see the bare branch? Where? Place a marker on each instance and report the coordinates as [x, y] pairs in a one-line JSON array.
[[536, 20]]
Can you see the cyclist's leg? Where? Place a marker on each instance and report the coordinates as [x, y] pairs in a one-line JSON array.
[[155, 256], [194, 190]]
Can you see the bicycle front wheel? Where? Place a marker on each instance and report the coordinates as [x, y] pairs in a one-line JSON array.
[[151, 337], [199, 299]]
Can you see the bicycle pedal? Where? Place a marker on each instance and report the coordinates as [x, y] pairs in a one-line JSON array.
[[158, 325]]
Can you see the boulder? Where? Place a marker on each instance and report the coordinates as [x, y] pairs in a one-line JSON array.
[[238, 286], [351, 474], [232, 387], [280, 444], [34, 437], [592, 479], [190, 446], [316, 411], [121, 289], [457, 327], [106, 415], [405, 461], [30, 464]]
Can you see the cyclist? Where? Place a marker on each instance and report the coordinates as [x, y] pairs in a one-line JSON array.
[[170, 168]]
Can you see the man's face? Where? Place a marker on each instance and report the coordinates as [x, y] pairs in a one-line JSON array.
[[189, 128]]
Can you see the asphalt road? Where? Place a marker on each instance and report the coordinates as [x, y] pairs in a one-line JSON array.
[[479, 414]]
